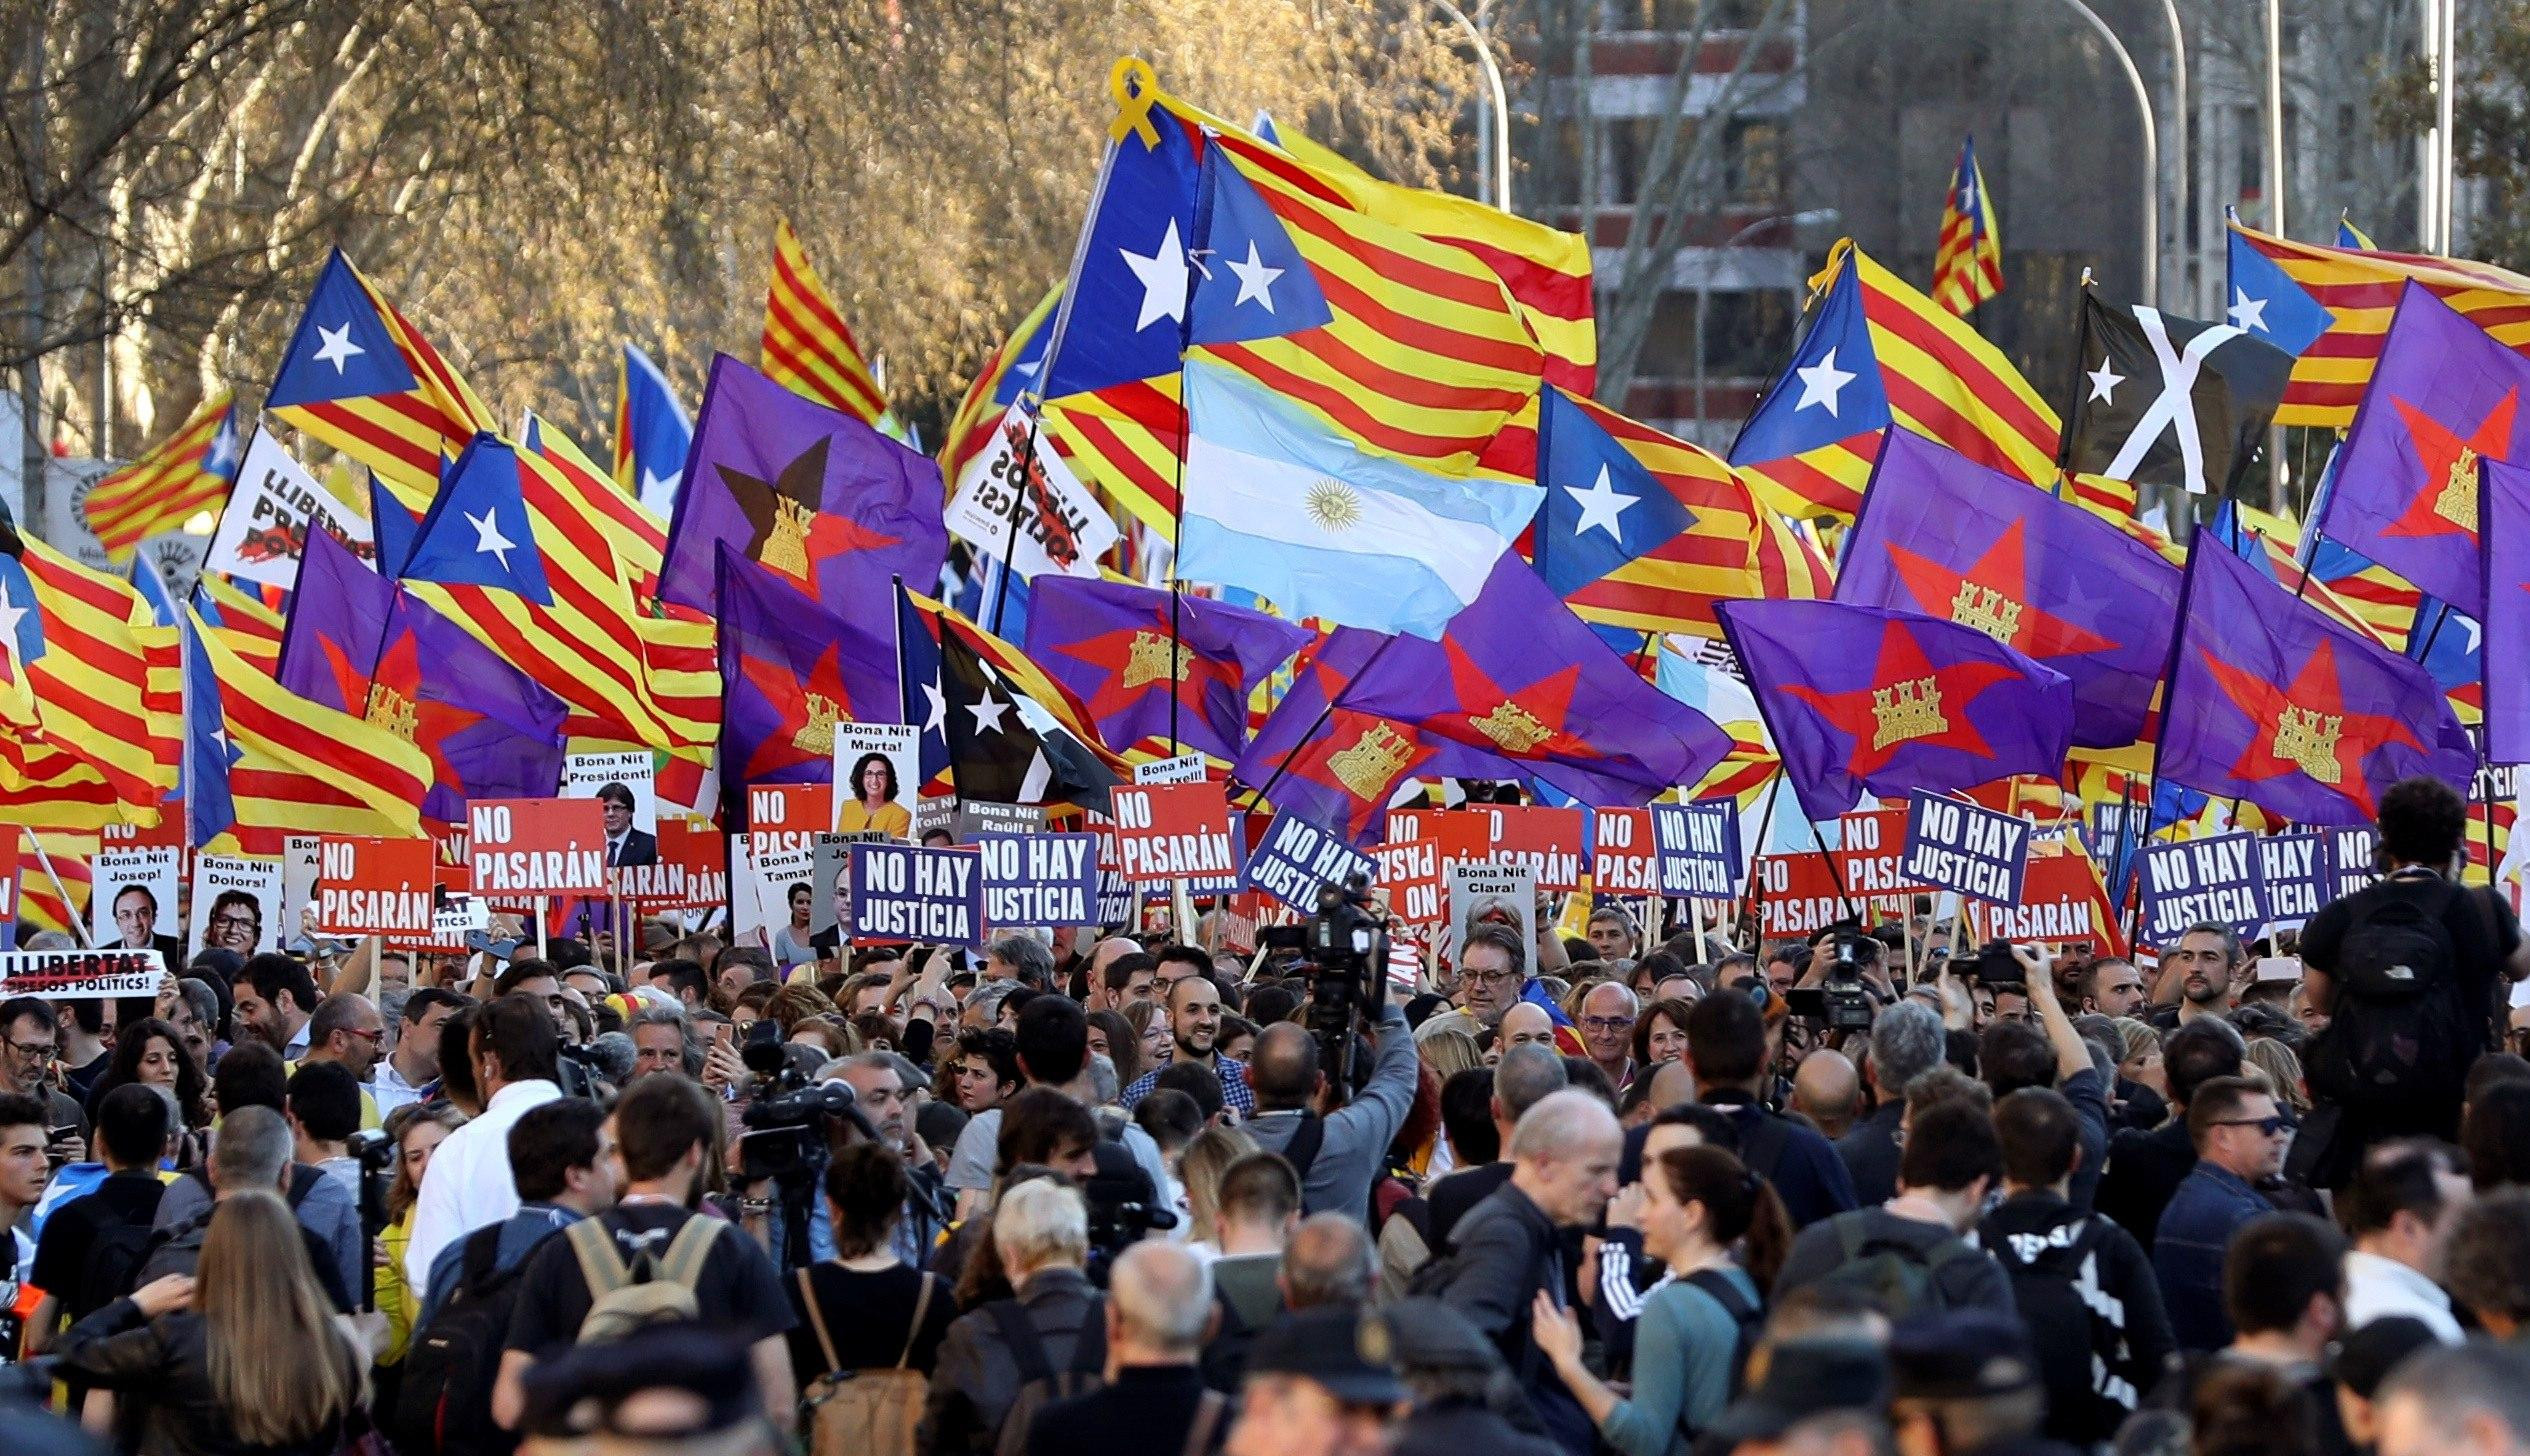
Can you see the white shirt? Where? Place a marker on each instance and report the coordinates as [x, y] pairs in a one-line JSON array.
[[388, 1087], [2379, 1288], [469, 1183]]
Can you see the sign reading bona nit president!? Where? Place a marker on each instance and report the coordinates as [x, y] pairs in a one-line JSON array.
[[537, 847]]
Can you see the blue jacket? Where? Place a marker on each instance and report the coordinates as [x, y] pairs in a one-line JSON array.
[[2187, 1252]]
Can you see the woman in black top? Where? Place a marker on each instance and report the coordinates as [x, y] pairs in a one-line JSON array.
[[869, 1310]]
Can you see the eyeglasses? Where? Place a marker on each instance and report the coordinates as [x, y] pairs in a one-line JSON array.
[[1494, 978], [236, 922], [1607, 1023], [2266, 1126], [35, 1051], [377, 1035]]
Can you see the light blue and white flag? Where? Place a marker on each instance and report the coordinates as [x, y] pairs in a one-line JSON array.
[[1280, 505]]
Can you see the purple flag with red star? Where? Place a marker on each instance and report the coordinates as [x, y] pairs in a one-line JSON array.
[[1334, 766], [1945, 536], [2506, 502], [338, 613], [1864, 698], [826, 504], [2444, 395], [791, 672], [2273, 702], [1517, 676], [1110, 643], [491, 731]]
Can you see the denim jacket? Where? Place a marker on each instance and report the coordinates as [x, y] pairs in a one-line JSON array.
[[2187, 1252]]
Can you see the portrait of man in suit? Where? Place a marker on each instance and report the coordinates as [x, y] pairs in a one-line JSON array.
[[625, 845]]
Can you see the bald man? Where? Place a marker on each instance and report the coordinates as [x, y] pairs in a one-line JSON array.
[[1103, 997], [1828, 1091], [1525, 1024], [1607, 1030]]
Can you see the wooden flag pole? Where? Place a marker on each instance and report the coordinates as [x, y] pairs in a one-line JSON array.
[[78, 922]]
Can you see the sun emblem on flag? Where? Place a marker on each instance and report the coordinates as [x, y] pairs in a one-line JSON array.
[[1332, 505]]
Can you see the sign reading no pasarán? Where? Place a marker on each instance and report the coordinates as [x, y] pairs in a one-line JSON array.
[[537, 847]]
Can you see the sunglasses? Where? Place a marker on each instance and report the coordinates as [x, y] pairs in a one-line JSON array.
[[2266, 1126]]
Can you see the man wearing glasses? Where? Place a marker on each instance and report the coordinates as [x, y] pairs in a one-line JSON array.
[[1607, 1030], [30, 1066], [349, 1032], [2240, 1138]]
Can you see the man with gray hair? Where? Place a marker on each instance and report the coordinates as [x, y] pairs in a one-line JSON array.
[[1040, 1228], [663, 1041], [1022, 958], [1159, 1312], [1328, 1261], [252, 1152], [1906, 1042], [1508, 1251], [2464, 1400], [1521, 1080], [1607, 1029]]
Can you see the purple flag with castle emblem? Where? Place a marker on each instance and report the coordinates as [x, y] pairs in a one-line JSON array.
[[1945, 536], [2273, 702], [2507, 534], [1894, 702], [824, 503], [1109, 642]]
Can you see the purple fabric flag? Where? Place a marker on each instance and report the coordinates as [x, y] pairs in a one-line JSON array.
[[1517, 675], [1109, 643], [2443, 394], [2273, 702], [1894, 702], [823, 502], [491, 731], [2507, 531], [1332, 766], [338, 618], [1945, 536], [791, 672]]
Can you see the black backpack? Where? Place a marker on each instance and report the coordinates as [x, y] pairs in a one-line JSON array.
[[1748, 1316], [2397, 1041], [2077, 1327], [1040, 1384], [444, 1403], [115, 1257], [1890, 1275]]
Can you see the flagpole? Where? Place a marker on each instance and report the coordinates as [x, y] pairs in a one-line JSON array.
[[2486, 803], [1200, 243], [77, 921], [1257, 796], [1844, 900], [1765, 826]]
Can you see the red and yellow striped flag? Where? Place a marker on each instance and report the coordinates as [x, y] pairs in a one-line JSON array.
[[251, 627], [1008, 371], [184, 475], [43, 904], [1968, 261], [808, 348], [1672, 586], [106, 695]]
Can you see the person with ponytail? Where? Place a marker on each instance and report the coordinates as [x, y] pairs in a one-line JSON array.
[[1698, 1324]]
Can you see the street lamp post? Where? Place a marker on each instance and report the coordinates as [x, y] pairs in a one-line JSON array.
[[2151, 151], [1808, 217], [1501, 104]]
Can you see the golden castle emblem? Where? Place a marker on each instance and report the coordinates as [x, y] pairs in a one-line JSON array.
[[817, 735], [1987, 610], [1152, 660], [786, 547], [1907, 710], [1373, 762], [2457, 502], [1513, 728], [392, 711], [2307, 739]]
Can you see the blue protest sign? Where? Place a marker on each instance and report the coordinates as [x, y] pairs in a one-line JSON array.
[[1956, 846], [2202, 880], [1040, 879], [2293, 870], [930, 896], [1296, 857], [2351, 859], [1699, 848]]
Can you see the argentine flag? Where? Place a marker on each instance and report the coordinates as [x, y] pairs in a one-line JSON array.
[[1280, 505]]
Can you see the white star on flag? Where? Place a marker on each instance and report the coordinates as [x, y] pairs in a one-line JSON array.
[[1163, 275], [2246, 312], [1602, 507], [1256, 281], [337, 348], [488, 537], [935, 711], [2104, 382], [1968, 193], [988, 712], [10, 615], [223, 448], [1822, 382]]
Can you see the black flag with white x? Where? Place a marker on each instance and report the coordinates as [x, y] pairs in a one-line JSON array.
[[2164, 400]]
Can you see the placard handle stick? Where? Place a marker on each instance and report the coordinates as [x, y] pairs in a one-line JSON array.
[[78, 922], [541, 952]]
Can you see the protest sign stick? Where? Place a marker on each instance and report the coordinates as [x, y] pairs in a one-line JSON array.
[[1765, 825], [78, 922], [540, 928], [1844, 901]]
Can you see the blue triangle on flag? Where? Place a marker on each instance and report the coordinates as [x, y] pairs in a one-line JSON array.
[[341, 349], [1251, 282], [2268, 305], [478, 531], [1123, 314], [1831, 391], [1603, 507]]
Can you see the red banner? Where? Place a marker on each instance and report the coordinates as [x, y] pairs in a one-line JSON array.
[[537, 847], [1623, 858], [1548, 841], [371, 886], [2062, 901], [1410, 873], [1171, 832], [692, 872]]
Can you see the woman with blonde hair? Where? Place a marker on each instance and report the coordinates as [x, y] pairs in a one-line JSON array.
[[245, 1356], [416, 1129], [1448, 1052], [1199, 1170], [2281, 1069]]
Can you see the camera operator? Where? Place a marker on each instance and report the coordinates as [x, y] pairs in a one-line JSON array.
[[1053, 1049], [1335, 1147], [879, 1091]]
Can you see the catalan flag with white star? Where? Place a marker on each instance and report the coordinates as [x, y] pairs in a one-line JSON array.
[[184, 475], [808, 348], [82, 651], [1968, 262]]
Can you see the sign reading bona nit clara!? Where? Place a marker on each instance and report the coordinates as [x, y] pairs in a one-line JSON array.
[[537, 847]]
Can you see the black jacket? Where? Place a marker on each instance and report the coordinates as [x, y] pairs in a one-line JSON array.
[[1504, 1251], [2144, 1170], [2093, 1307], [162, 1368], [1150, 1410], [1464, 1428]]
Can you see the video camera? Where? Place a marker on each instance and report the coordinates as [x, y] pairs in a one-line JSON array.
[[1348, 944], [1121, 1204], [788, 1137], [1841, 1002]]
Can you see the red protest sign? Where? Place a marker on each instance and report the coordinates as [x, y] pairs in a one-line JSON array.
[[371, 886], [1874, 850], [692, 872], [1171, 832], [1623, 858], [2062, 900], [1410, 873], [537, 847], [1548, 841], [1798, 894], [167, 833], [790, 808], [1462, 834]]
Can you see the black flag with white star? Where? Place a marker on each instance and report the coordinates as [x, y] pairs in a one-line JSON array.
[[2164, 400]]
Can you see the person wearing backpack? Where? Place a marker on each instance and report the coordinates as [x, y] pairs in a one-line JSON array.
[[870, 1326], [1159, 1311], [651, 1256], [92, 1246], [1909, 1254], [1726, 1049], [1005, 1359], [2083, 1285], [1695, 1333], [2407, 971]]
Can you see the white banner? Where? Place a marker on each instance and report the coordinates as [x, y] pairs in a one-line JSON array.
[[264, 530], [1061, 527]]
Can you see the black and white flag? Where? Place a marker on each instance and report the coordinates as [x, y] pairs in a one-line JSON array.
[[2164, 400]]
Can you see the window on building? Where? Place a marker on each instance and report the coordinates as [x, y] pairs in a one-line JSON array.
[[1756, 161], [1629, 152], [1747, 335]]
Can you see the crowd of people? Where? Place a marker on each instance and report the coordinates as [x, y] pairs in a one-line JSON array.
[[1079, 1194]]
